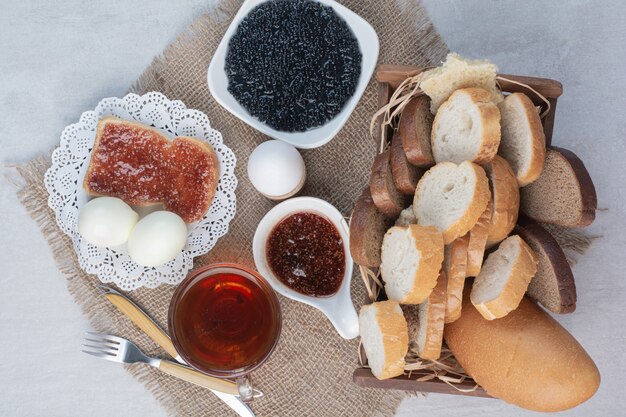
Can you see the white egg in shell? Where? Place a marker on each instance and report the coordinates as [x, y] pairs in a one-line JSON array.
[[106, 221], [157, 239], [276, 169]]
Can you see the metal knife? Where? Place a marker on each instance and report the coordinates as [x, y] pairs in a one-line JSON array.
[[154, 332]]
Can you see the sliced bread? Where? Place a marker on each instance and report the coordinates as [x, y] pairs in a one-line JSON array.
[[451, 197], [455, 73], [431, 316], [478, 242], [553, 285], [386, 196], [466, 128], [384, 334], [406, 217], [367, 229], [414, 129], [505, 198], [411, 260], [504, 278], [405, 175], [454, 265], [564, 193], [523, 143]]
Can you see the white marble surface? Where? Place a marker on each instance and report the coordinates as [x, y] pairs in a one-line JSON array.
[[58, 59]]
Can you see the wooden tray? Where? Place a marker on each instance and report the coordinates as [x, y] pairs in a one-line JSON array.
[[389, 78]]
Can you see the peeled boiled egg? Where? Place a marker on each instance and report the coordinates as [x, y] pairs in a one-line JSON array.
[[276, 169], [106, 221], [157, 239]]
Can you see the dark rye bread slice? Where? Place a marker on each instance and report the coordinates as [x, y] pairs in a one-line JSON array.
[[553, 285], [416, 122], [405, 175], [564, 193], [367, 229], [386, 196]]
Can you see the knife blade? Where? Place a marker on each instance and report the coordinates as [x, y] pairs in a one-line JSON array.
[[154, 332]]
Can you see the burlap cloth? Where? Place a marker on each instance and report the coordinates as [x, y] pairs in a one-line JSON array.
[[310, 373]]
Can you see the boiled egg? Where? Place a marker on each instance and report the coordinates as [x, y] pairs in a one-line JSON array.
[[106, 221], [276, 169], [157, 238]]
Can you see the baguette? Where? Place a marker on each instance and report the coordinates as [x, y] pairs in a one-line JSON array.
[[454, 265], [505, 196], [411, 261], [466, 128], [504, 278], [367, 229], [406, 217], [451, 197], [564, 193], [414, 129], [386, 196], [384, 334], [431, 315], [405, 175], [523, 143], [525, 358], [477, 242]]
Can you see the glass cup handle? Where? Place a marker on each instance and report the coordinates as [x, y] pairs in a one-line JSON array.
[[244, 385]]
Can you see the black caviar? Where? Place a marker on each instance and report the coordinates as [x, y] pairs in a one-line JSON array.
[[293, 64]]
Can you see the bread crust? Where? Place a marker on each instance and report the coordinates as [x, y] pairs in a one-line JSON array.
[[489, 119], [454, 268], [505, 198], [381, 188], [435, 321], [537, 364], [415, 136], [534, 234], [477, 242], [522, 272], [405, 175], [359, 227]]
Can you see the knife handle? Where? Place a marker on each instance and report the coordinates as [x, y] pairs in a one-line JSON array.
[[142, 321], [195, 377]]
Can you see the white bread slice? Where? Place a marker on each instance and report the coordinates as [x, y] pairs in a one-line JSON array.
[[454, 264], [455, 73], [385, 338], [505, 196], [406, 217], [451, 197], [504, 278], [523, 142], [466, 128], [431, 315], [478, 242], [411, 260]]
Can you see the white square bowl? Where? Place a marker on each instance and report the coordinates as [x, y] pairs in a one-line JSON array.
[[312, 138]]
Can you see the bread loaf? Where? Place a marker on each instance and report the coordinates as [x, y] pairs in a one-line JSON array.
[[414, 129], [386, 196], [505, 197], [525, 358], [367, 229], [385, 338]]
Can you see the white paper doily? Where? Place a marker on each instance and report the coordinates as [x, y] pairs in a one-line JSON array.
[[65, 177]]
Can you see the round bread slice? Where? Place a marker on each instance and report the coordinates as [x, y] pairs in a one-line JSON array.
[[454, 265], [504, 278], [367, 229], [523, 143], [405, 175], [431, 315], [564, 193], [466, 128], [505, 198], [414, 129], [406, 217], [478, 242], [553, 285], [451, 197], [386, 196], [411, 260], [385, 338]]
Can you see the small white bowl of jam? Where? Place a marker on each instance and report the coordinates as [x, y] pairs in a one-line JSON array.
[[302, 248]]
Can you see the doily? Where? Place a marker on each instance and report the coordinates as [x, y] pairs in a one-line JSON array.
[[70, 160]]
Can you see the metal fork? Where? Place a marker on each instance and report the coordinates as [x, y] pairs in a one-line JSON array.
[[120, 350]]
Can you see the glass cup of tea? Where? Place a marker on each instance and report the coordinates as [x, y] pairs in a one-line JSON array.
[[225, 321]]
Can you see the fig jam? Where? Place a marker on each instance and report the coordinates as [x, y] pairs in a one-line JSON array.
[[305, 251]]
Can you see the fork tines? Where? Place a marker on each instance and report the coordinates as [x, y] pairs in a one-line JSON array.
[[102, 345]]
